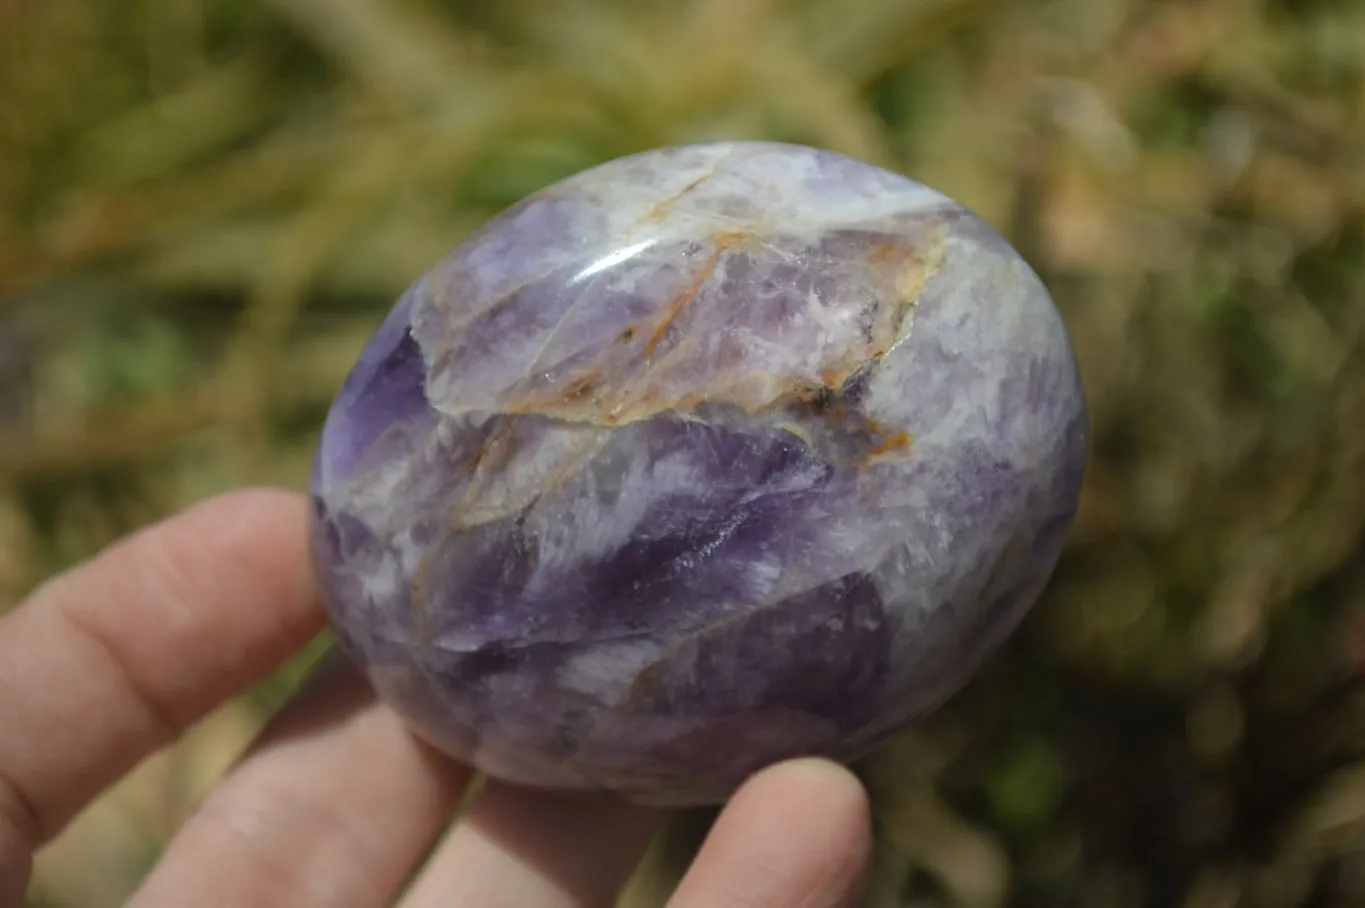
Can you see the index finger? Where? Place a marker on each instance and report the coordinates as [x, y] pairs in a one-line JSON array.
[[117, 657]]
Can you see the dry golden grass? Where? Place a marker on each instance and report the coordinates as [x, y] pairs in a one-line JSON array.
[[205, 206]]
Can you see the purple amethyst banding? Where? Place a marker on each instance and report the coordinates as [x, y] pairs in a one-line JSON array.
[[701, 459]]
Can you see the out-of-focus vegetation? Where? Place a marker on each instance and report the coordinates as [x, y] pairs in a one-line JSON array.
[[206, 205]]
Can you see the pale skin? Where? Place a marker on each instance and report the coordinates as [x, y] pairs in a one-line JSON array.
[[336, 804]]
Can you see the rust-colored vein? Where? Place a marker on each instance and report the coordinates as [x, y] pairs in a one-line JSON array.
[[679, 302], [894, 253], [494, 454], [894, 443], [915, 274], [660, 209], [580, 389]]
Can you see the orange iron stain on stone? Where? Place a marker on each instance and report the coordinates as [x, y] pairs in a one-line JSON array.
[[678, 303]]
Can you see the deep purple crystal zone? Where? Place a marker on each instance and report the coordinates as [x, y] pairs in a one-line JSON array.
[[658, 598]]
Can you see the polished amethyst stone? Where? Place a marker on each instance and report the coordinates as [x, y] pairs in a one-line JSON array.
[[700, 459]]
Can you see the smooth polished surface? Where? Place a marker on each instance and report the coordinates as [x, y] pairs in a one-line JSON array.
[[700, 459]]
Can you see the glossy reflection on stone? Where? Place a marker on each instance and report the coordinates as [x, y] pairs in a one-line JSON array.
[[700, 459]]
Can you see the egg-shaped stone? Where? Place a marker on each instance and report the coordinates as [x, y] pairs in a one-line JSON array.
[[703, 458]]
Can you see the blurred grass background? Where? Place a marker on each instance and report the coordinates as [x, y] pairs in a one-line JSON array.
[[207, 205]]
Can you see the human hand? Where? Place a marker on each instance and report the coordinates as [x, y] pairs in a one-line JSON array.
[[336, 804]]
